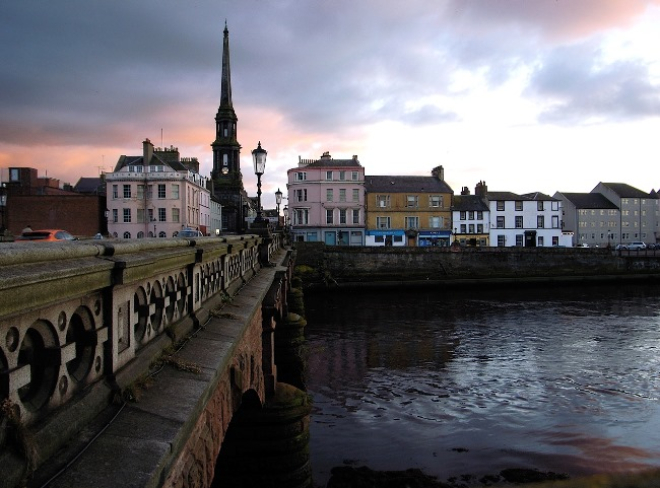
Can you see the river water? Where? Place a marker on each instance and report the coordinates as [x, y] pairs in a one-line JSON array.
[[475, 381]]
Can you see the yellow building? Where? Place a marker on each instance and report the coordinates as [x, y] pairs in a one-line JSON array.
[[408, 210]]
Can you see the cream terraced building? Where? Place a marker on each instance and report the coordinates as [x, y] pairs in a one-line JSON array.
[[156, 195]]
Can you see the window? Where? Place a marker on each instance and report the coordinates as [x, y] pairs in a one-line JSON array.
[[140, 235], [175, 215], [342, 194], [149, 191], [412, 201], [470, 215], [328, 216], [519, 206], [435, 201], [499, 205], [115, 215], [356, 195], [150, 214], [519, 222], [501, 241], [555, 221], [342, 175], [140, 215], [383, 222], [301, 195], [175, 192], [127, 191], [225, 158], [471, 228], [519, 240], [301, 216], [412, 222], [140, 192], [500, 222], [356, 216], [463, 215], [463, 228], [127, 235], [539, 205], [383, 201], [354, 175], [435, 222], [540, 221], [329, 195], [162, 214], [342, 216], [301, 176], [480, 215], [328, 175], [161, 191], [115, 191], [480, 228], [127, 215]]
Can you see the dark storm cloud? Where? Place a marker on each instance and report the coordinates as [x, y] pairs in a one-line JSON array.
[[89, 71], [580, 87]]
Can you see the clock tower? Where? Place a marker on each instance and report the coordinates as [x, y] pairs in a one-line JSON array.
[[226, 174]]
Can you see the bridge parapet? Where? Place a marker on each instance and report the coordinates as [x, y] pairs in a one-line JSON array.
[[87, 318]]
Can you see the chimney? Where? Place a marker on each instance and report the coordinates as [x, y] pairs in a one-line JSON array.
[[438, 173], [147, 152], [481, 189], [326, 155], [465, 190]]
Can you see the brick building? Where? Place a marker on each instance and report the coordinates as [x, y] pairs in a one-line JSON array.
[[42, 204]]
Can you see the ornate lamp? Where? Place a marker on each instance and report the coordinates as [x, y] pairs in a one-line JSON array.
[[259, 158]]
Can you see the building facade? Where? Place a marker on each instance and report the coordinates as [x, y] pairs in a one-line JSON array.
[[638, 212], [326, 201], [593, 219], [529, 220], [471, 220], [408, 210], [156, 195]]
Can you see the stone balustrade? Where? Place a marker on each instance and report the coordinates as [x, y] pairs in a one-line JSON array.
[[85, 319]]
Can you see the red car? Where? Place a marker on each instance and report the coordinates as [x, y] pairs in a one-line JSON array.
[[46, 235]]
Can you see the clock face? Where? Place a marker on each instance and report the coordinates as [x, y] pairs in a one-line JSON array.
[[225, 170]]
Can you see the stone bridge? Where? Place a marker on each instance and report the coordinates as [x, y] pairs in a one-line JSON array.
[[122, 363]]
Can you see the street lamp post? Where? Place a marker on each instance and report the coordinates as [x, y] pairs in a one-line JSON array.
[[259, 158], [278, 202]]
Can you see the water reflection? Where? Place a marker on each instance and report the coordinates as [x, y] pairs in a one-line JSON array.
[[565, 379]]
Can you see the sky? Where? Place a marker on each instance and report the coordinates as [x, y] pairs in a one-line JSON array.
[[526, 95]]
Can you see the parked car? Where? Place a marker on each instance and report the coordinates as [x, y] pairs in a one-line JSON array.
[[636, 245], [633, 246], [46, 235], [188, 232]]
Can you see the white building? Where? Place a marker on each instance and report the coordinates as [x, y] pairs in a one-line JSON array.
[[529, 220], [156, 194]]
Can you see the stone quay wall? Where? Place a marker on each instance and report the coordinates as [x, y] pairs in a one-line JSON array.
[[82, 324], [323, 265]]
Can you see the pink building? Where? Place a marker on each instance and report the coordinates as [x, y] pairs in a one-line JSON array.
[[326, 201]]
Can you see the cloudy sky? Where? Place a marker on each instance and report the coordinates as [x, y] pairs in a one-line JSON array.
[[527, 95]]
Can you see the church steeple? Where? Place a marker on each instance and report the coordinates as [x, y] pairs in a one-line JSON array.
[[225, 89], [226, 149], [226, 174]]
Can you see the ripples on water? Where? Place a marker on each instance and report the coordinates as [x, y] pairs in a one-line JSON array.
[[475, 382]]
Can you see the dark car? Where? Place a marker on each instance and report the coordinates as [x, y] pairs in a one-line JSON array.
[[188, 232]]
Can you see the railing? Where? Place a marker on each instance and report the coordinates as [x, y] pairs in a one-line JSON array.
[[74, 314]]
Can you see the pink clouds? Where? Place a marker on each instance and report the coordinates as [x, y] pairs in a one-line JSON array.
[[555, 19]]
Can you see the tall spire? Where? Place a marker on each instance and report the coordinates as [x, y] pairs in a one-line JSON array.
[[225, 89], [226, 174]]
